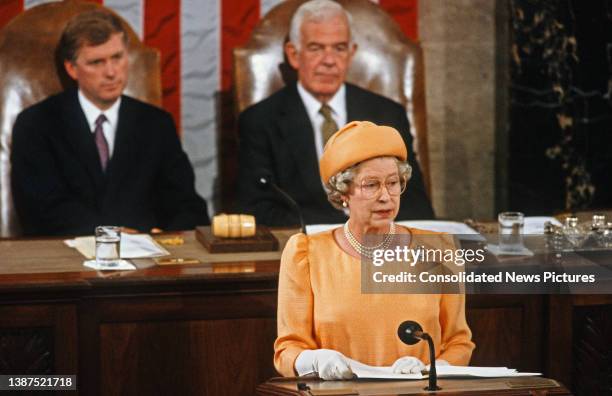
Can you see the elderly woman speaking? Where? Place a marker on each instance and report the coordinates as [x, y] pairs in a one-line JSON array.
[[324, 321]]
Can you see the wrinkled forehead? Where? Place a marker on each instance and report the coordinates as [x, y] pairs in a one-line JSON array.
[[377, 168]]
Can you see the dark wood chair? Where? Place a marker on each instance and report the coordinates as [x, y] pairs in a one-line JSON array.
[[29, 72]]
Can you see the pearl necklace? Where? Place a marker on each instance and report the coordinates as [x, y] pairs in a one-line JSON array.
[[368, 251]]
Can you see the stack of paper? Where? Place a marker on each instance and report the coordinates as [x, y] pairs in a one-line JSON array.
[[481, 372], [365, 371], [376, 372], [451, 227], [534, 225], [132, 246], [465, 232]]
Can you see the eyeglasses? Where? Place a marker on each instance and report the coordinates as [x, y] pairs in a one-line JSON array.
[[370, 188]]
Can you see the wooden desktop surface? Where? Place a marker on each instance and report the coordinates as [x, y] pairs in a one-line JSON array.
[[23, 258]]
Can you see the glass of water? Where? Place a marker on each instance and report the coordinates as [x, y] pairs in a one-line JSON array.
[[511, 231], [575, 233], [108, 246]]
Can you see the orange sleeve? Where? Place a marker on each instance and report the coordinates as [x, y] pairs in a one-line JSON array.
[[456, 341], [295, 306], [456, 345]]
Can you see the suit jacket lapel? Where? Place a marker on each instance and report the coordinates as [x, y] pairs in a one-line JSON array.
[[298, 131], [80, 137], [354, 109]]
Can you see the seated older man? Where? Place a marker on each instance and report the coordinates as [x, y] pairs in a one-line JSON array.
[[282, 137]]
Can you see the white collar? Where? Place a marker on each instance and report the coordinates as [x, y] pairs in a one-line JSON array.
[[337, 102], [92, 112]]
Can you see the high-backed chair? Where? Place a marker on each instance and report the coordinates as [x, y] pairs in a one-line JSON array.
[[29, 72], [386, 62]]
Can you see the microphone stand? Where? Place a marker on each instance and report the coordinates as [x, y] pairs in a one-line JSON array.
[[410, 332], [265, 181], [433, 375]]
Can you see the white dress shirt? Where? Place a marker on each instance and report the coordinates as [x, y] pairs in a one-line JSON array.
[[92, 112], [338, 106]]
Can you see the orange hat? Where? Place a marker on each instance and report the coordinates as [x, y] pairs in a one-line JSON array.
[[358, 141]]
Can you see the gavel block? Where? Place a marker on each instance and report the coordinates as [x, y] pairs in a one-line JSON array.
[[262, 241]]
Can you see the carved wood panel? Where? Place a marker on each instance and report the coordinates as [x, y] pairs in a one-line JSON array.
[[507, 330], [26, 351], [592, 350], [38, 339], [196, 357]]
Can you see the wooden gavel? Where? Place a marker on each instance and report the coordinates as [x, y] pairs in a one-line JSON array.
[[233, 225]]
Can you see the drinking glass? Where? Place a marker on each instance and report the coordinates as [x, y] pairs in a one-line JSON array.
[[510, 228], [108, 246]]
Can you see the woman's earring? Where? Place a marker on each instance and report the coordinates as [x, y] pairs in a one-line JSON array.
[[344, 204]]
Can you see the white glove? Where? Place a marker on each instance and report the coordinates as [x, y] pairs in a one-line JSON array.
[[329, 364], [408, 365]]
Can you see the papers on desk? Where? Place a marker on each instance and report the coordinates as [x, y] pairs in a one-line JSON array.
[[132, 246], [534, 225], [122, 265], [480, 372], [497, 251], [316, 228], [364, 371], [451, 227]]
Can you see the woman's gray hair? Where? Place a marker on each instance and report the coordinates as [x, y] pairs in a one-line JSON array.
[[340, 184], [316, 11]]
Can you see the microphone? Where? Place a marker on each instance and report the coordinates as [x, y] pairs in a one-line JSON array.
[[410, 332], [265, 181]]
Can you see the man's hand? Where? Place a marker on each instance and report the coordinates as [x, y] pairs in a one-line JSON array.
[[128, 230]]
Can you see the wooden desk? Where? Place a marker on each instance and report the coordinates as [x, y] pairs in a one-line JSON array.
[[209, 328], [191, 329], [527, 386]]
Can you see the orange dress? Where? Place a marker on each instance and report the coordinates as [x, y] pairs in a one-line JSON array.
[[320, 305]]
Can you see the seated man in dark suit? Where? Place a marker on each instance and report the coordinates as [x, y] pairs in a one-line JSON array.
[[91, 156], [282, 137]]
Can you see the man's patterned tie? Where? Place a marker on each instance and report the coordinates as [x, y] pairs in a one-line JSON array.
[[329, 126], [101, 142]]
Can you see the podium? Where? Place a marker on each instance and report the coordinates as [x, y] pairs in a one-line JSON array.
[[514, 386]]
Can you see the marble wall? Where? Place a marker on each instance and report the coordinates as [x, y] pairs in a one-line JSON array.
[[459, 43], [560, 113]]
